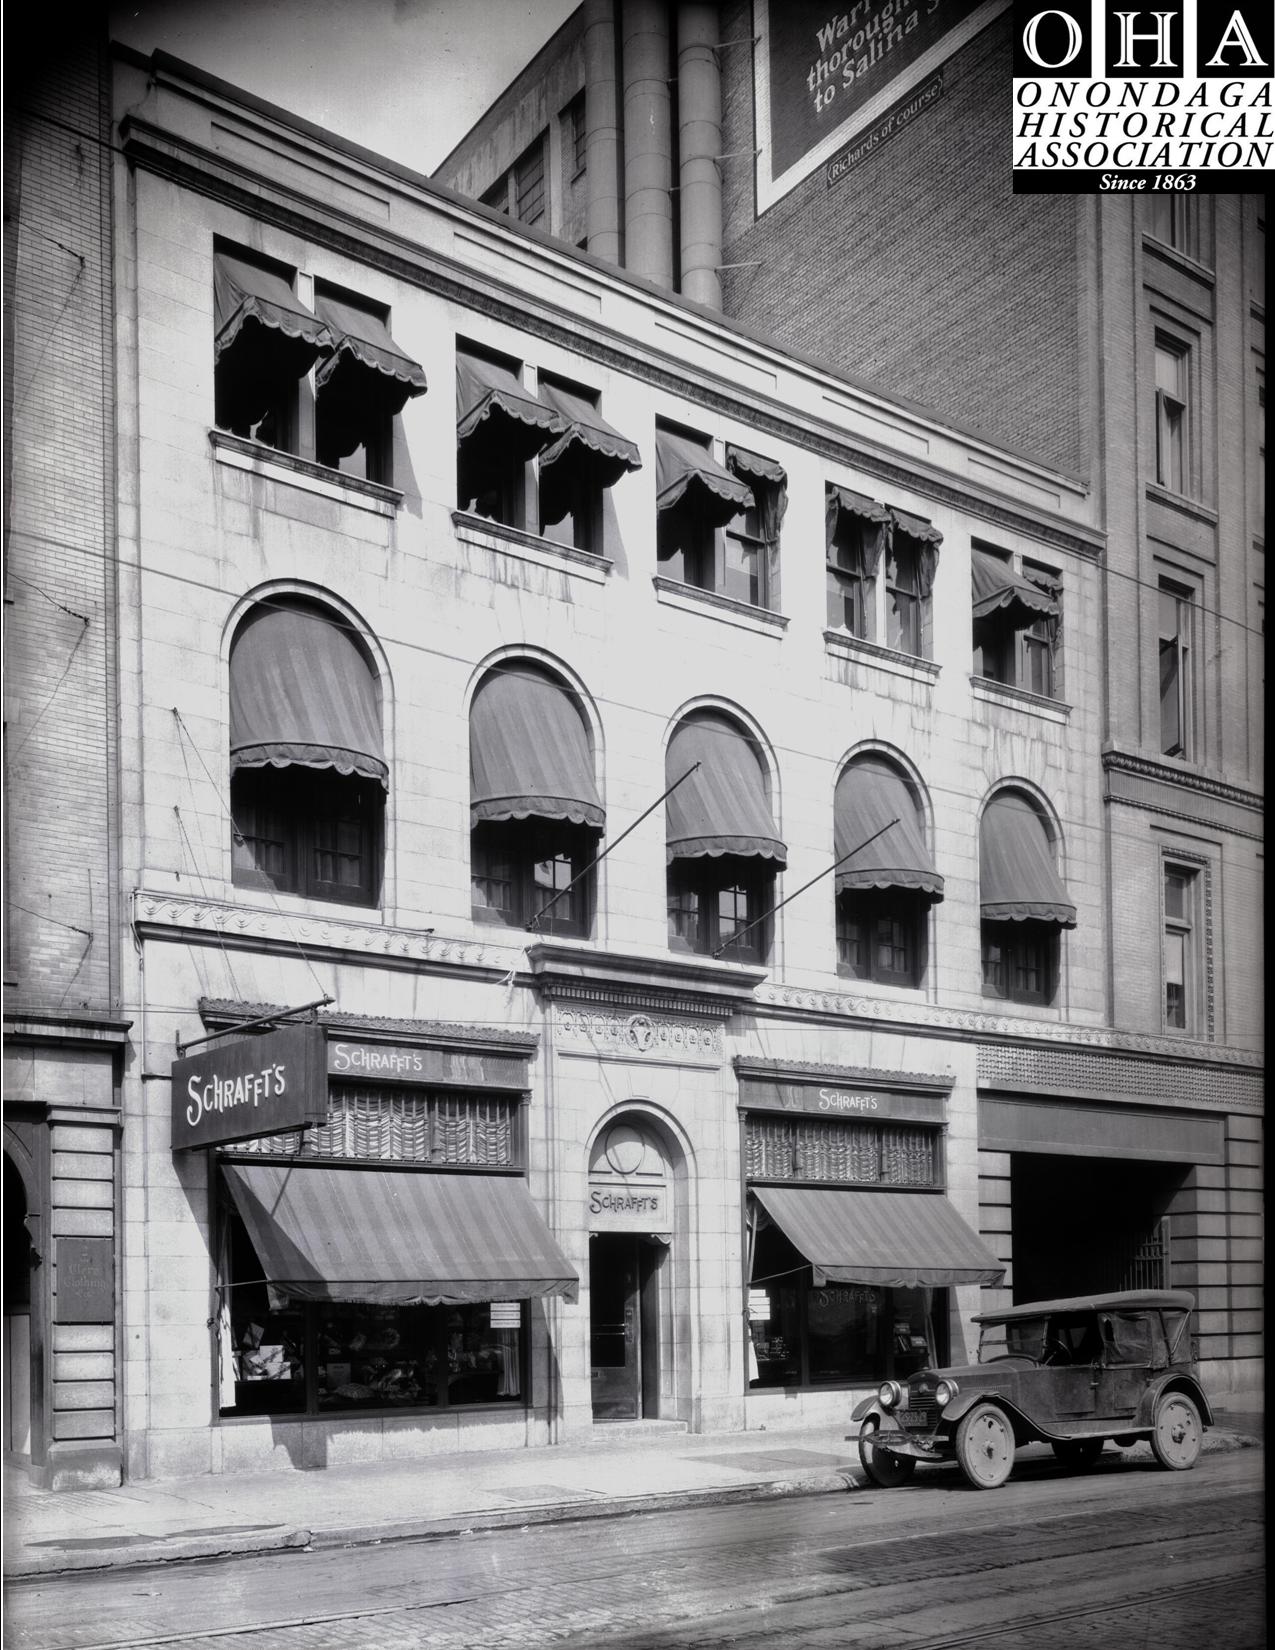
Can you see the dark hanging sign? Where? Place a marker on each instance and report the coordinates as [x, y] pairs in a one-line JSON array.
[[85, 1280], [249, 1086]]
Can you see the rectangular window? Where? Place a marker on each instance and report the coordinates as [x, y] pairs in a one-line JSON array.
[[1180, 929], [903, 596], [529, 184], [1174, 220], [1170, 415], [743, 573], [575, 135], [1176, 687], [851, 588], [720, 903], [1016, 641], [1020, 961], [880, 935], [522, 869], [307, 831]]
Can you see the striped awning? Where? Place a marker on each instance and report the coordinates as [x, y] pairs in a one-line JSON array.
[[870, 794], [721, 808], [302, 694], [1018, 881], [895, 1240], [529, 753], [402, 1237], [997, 588]]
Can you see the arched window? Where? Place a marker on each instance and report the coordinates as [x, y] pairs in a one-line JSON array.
[[308, 775], [885, 878], [1024, 901], [722, 843], [534, 808]]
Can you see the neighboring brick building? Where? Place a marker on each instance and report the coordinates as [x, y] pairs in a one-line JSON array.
[[64, 1034], [1120, 345]]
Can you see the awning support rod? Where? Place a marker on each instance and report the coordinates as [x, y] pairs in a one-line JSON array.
[[775, 908], [261, 1020], [534, 924]]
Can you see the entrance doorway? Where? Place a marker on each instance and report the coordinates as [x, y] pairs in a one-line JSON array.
[[17, 1315], [624, 1325]]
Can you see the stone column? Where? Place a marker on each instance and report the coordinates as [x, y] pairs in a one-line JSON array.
[[699, 144], [602, 132], [648, 142]]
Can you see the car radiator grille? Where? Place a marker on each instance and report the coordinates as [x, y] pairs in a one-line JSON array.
[[920, 1413]]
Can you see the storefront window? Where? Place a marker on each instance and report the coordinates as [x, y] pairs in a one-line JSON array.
[[833, 1334], [329, 1357]]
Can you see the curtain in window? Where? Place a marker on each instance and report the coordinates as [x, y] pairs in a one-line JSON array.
[[927, 540], [846, 507]]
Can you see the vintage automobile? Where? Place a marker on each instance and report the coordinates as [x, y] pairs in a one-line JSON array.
[[1070, 1373]]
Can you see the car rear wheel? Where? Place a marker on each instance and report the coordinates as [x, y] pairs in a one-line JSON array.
[[1178, 1432], [1078, 1452], [985, 1446], [882, 1466]]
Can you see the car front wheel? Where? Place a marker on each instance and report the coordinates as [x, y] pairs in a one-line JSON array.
[[882, 1466], [985, 1446], [1178, 1433], [1078, 1452]]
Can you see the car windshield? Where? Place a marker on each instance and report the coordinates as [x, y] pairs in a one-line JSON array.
[[1023, 1338]]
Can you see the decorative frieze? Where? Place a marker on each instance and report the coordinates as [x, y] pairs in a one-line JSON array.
[[223, 923], [655, 1037]]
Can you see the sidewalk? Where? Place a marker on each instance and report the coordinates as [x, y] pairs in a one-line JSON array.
[[617, 1472]]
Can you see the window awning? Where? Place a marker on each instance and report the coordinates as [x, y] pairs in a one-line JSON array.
[[870, 793], [529, 752], [303, 694], [244, 294], [1018, 881], [843, 500], [895, 1240], [916, 528], [997, 588], [492, 406], [722, 807], [683, 466], [753, 467], [384, 1235], [366, 357], [585, 428]]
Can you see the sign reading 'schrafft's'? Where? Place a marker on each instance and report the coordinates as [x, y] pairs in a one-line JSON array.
[[249, 1086]]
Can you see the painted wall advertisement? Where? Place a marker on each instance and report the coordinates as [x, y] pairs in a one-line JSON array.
[[1172, 100], [833, 82]]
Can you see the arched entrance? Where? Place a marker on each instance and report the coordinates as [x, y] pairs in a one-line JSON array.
[[631, 1222], [18, 1339]]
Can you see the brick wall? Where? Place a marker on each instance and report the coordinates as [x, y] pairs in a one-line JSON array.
[[920, 270], [59, 698]]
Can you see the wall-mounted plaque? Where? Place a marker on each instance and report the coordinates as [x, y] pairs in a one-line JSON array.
[[85, 1280]]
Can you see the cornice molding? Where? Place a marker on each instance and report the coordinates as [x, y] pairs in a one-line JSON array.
[[323, 223], [220, 923], [669, 984], [219, 1013], [863, 1077], [32, 1025], [969, 1025], [1164, 773]]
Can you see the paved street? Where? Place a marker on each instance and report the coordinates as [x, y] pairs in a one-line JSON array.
[[1125, 1555]]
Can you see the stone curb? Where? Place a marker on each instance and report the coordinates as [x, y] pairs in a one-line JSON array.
[[284, 1537]]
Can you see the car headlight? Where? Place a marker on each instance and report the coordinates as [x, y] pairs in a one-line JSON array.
[[944, 1392], [889, 1395]]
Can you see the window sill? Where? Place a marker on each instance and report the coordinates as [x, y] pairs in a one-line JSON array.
[[241, 454], [1158, 494], [485, 534], [1035, 704], [1173, 255], [842, 645], [691, 599]]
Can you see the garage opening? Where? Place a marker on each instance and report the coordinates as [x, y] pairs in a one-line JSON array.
[[1083, 1225]]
